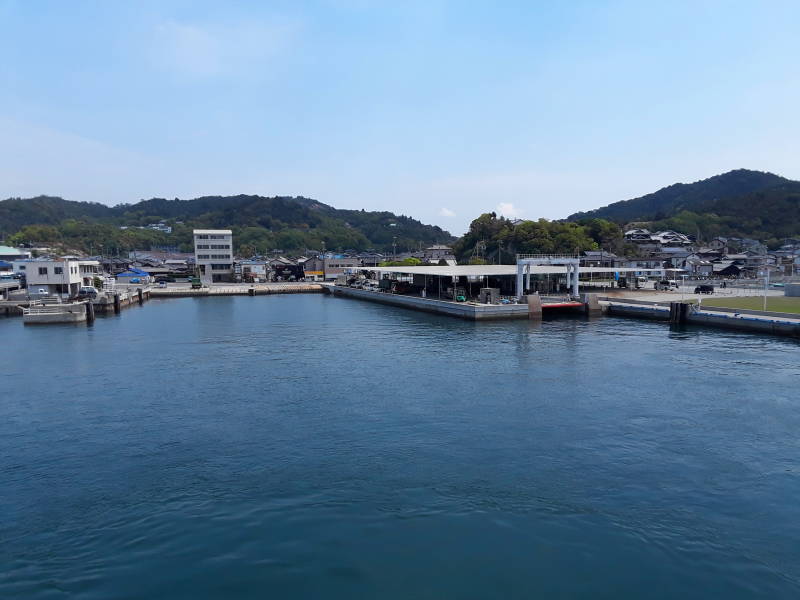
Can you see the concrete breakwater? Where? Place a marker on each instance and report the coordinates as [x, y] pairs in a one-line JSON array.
[[773, 323], [44, 312], [471, 311]]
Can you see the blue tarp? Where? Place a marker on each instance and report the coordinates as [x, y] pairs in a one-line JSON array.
[[5, 265], [133, 272]]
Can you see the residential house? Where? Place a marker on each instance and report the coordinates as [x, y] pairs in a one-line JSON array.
[[698, 267], [726, 268], [600, 258], [62, 276], [330, 266], [719, 244], [638, 235], [438, 252], [371, 259], [254, 270]]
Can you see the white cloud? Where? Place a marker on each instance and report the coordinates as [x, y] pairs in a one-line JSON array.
[[207, 51], [446, 212], [508, 210]]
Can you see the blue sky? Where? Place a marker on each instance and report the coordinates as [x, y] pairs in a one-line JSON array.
[[439, 110]]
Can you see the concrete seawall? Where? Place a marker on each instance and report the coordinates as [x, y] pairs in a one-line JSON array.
[[241, 290], [771, 323], [60, 313], [461, 310]]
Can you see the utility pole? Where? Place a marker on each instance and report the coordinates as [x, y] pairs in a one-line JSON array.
[[323, 261], [394, 248]]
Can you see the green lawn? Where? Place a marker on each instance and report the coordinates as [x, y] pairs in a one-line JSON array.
[[774, 303]]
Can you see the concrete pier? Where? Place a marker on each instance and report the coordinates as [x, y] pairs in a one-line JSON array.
[[534, 302], [55, 313], [470, 311], [591, 305], [115, 300], [786, 324]]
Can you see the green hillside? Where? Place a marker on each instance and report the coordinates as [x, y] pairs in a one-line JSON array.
[[739, 203], [259, 223], [696, 197], [770, 215]]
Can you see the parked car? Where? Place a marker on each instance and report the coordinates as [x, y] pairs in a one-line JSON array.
[[704, 289], [135, 280], [87, 291], [165, 279]]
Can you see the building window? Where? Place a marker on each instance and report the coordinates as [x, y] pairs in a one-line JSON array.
[[58, 270], [42, 270], [219, 267], [202, 237], [220, 246], [22, 267], [203, 256], [223, 256], [202, 246]]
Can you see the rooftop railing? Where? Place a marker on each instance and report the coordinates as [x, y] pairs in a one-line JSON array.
[[545, 256]]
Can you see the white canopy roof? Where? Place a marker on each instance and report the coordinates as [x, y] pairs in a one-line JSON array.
[[496, 270]]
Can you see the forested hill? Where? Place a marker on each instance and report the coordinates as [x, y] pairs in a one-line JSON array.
[[695, 197], [739, 203], [259, 223]]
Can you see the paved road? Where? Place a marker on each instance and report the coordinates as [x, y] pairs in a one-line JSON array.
[[688, 294]]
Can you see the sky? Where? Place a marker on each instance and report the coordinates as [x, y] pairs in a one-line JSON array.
[[438, 110]]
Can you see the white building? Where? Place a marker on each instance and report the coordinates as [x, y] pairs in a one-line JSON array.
[[9, 254], [213, 254], [63, 276]]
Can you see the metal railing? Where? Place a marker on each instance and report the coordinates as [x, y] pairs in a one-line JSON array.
[[546, 256]]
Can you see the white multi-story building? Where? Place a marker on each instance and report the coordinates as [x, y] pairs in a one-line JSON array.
[[213, 254], [63, 276]]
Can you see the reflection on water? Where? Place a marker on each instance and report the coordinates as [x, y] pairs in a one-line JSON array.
[[308, 446]]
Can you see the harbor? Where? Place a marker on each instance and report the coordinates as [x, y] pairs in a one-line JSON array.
[[244, 405], [72, 289], [537, 286]]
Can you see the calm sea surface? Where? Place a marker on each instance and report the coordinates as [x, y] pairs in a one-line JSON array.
[[317, 447]]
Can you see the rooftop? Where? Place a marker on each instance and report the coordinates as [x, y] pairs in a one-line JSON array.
[[10, 250], [496, 270]]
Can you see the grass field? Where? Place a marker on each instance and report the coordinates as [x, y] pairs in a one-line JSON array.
[[774, 303]]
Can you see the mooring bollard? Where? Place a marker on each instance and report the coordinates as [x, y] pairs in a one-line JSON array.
[[678, 312]]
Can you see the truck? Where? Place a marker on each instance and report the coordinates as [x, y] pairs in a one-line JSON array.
[[196, 283]]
